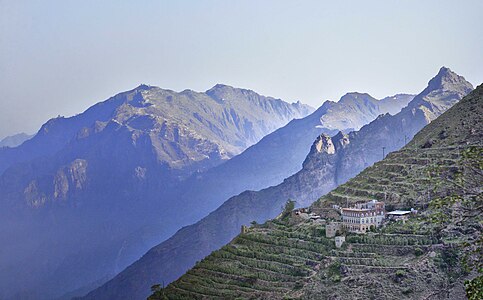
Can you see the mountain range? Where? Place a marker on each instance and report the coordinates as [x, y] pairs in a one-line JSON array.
[[119, 176], [15, 140], [331, 162], [438, 172], [100, 171], [279, 154]]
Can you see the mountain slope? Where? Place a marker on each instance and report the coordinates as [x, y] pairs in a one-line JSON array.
[[290, 257], [99, 171], [319, 175]]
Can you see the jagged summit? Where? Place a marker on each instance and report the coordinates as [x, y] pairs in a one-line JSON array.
[[323, 143], [447, 80], [363, 105], [220, 86], [143, 86], [356, 96], [219, 90]]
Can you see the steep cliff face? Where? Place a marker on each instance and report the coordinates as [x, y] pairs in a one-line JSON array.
[[327, 165], [290, 257]]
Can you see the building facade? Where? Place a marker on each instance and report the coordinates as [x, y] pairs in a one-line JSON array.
[[339, 241], [363, 216]]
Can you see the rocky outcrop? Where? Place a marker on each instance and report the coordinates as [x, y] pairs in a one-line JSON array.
[[70, 178]]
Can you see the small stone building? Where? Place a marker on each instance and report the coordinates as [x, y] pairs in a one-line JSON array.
[[339, 241]]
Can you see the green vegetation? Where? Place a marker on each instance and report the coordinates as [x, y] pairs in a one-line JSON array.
[[474, 290], [287, 209], [266, 261]]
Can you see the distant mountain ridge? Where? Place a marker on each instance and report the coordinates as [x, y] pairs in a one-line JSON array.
[[281, 153], [331, 161], [15, 140], [100, 170], [351, 103], [230, 126]]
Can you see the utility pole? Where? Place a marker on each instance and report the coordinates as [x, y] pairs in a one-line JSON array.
[[383, 152], [405, 139]]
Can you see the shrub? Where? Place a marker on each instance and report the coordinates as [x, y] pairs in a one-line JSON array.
[[400, 273], [418, 251], [474, 288], [298, 285]]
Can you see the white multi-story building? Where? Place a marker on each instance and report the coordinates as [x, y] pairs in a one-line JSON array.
[[364, 215]]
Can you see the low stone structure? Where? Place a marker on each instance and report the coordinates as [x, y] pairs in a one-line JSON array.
[[339, 241]]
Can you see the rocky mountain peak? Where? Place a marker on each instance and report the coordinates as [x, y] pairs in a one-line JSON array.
[[355, 97], [143, 87], [219, 88], [323, 144], [447, 80], [221, 92]]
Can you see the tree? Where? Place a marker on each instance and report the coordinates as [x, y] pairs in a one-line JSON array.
[[287, 209]]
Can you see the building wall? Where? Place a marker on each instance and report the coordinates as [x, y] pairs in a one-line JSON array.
[[361, 220], [339, 240]]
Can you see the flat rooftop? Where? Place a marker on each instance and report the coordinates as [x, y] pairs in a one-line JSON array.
[[399, 212]]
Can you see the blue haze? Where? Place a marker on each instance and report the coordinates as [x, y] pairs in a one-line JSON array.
[[60, 57]]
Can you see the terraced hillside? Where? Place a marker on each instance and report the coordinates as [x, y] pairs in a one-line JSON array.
[[291, 258], [403, 179]]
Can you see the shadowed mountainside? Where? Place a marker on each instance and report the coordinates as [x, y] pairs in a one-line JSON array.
[[100, 171]]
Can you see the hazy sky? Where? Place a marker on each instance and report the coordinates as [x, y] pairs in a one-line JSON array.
[[60, 57]]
